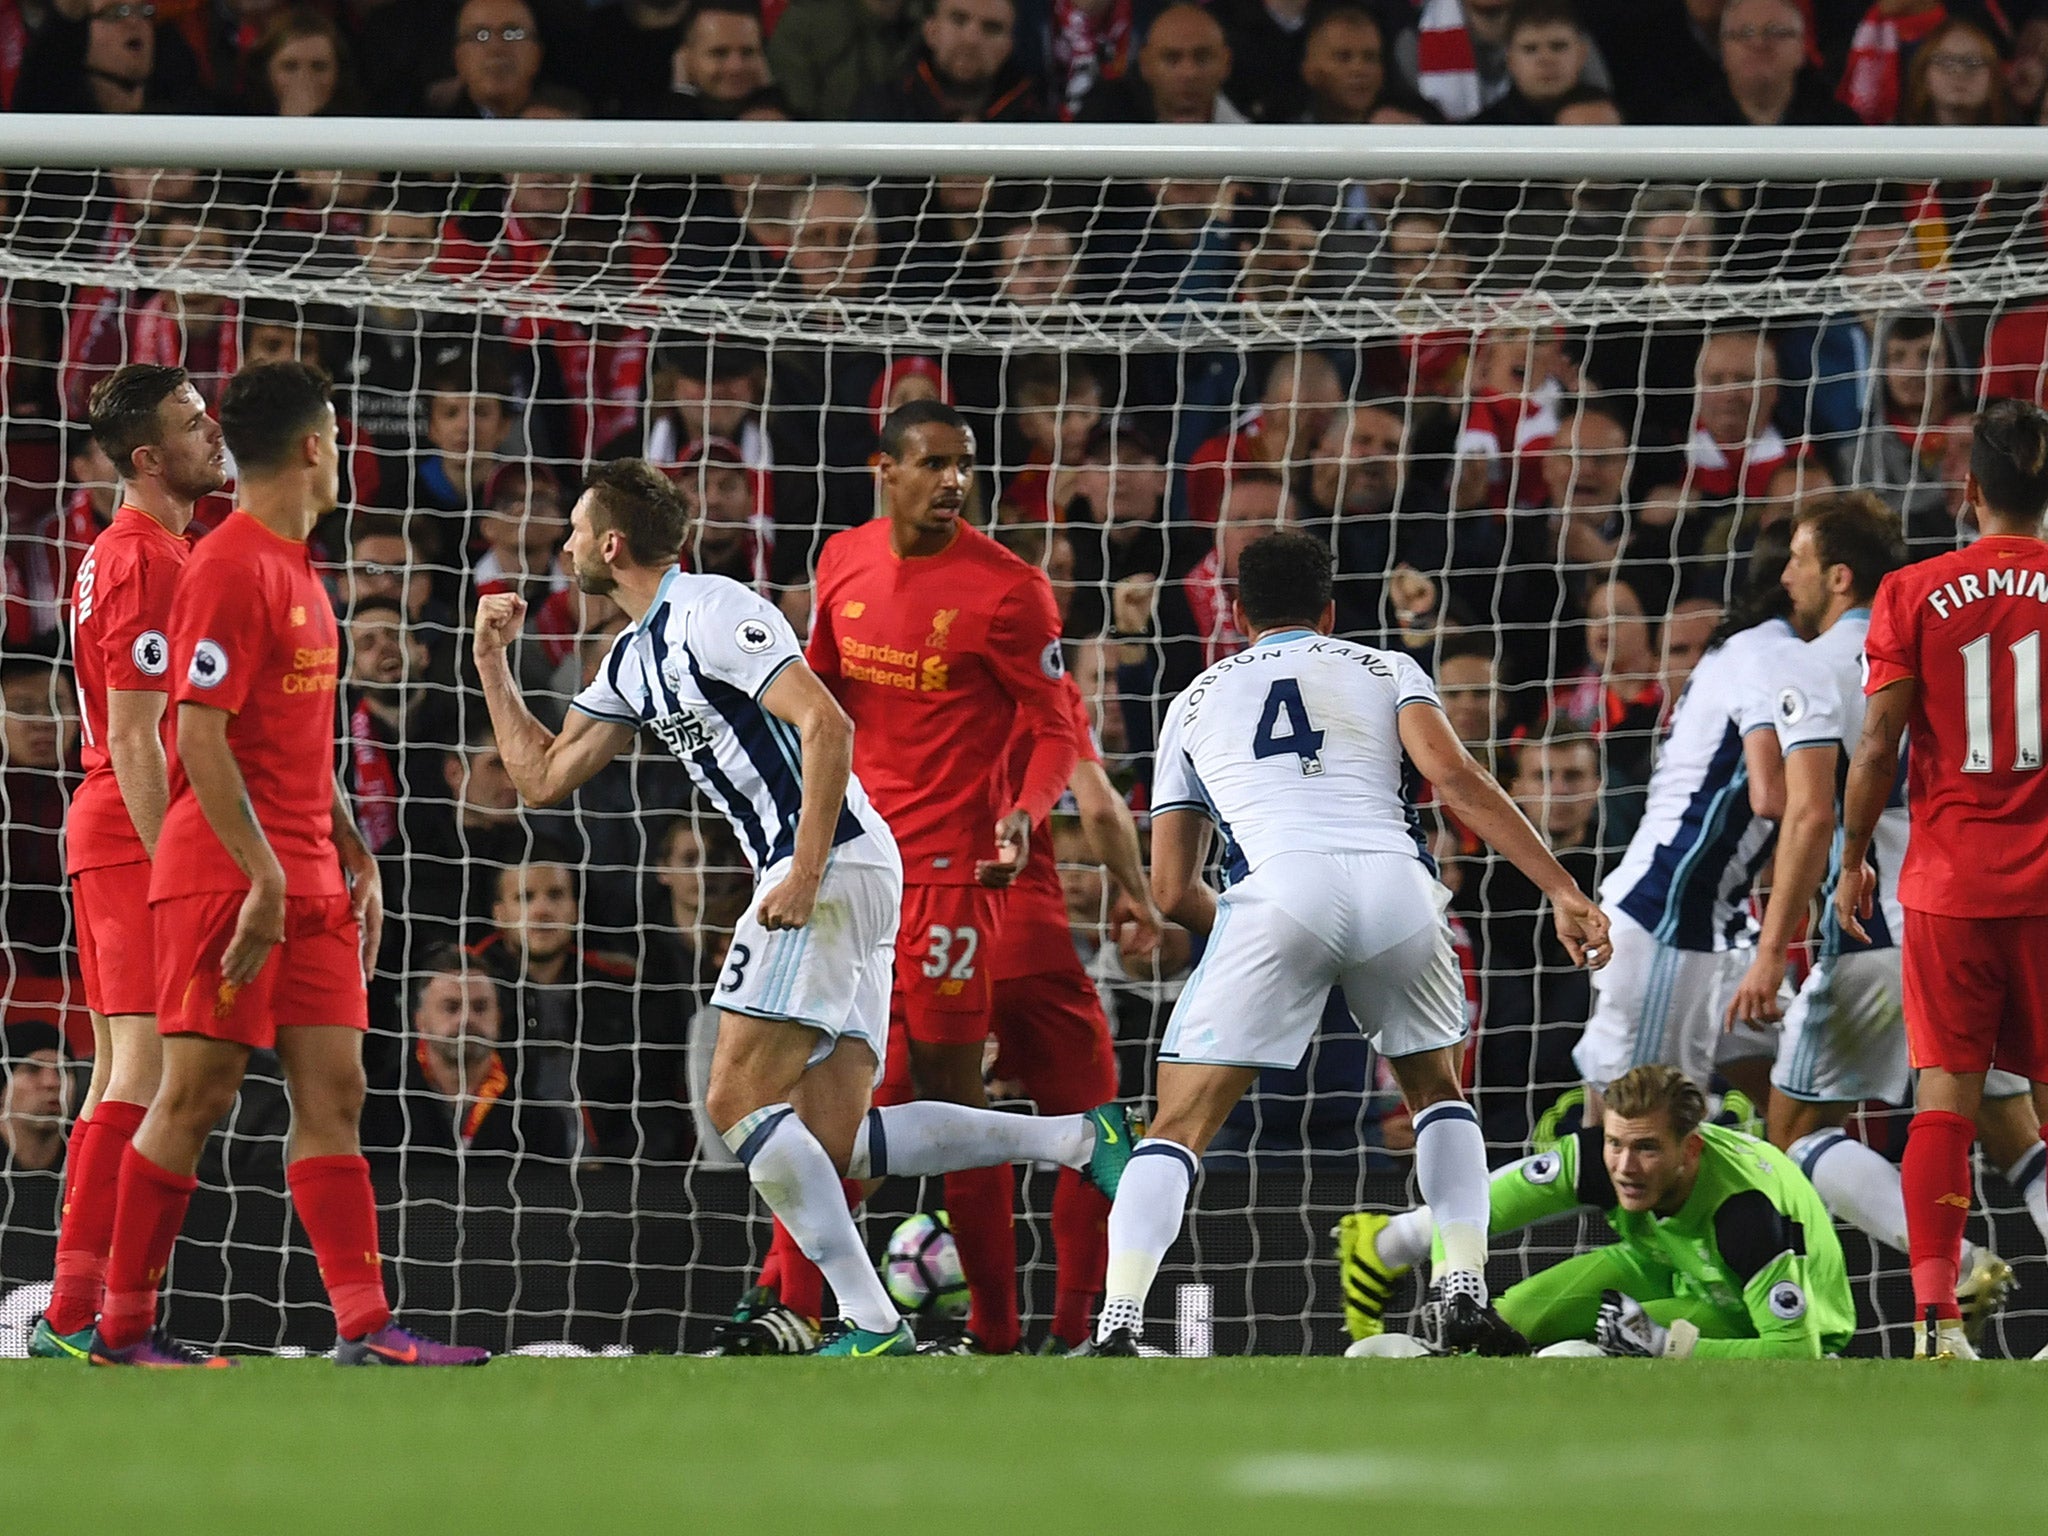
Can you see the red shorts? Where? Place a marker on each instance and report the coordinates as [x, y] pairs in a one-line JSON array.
[[1053, 1037], [116, 938], [1976, 993], [944, 947], [314, 977]]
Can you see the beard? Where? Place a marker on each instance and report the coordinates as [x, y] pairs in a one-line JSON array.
[[202, 481], [595, 580]]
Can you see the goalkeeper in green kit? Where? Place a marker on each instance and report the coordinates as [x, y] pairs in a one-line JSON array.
[[1726, 1251]]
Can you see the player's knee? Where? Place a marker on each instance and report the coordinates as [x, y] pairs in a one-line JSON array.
[[195, 1103]]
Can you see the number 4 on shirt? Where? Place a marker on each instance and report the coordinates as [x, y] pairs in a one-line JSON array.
[[1283, 703]]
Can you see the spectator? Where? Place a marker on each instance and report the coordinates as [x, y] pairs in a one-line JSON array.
[[197, 331], [1686, 634], [1904, 442], [1267, 40], [628, 56], [468, 422], [576, 1013], [720, 62], [828, 54], [1956, 80], [39, 740], [457, 842], [302, 68], [938, 234], [391, 557], [1343, 65], [1886, 48], [1546, 60], [966, 72], [1468, 683], [1618, 698], [1765, 61], [1735, 449], [35, 1098], [107, 56], [1255, 503], [523, 526], [1037, 262], [461, 1088], [704, 886], [394, 346], [1386, 516], [1055, 404], [734, 231], [704, 390], [1300, 394], [728, 536], [1182, 70], [382, 700], [498, 58], [1457, 56], [1533, 998]]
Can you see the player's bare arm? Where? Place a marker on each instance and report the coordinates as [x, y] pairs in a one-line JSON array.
[[544, 765], [1805, 831], [365, 880], [135, 747], [1872, 772], [825, 737], [1477, 800], [1180, 850], [1112, 836], [216, 780]]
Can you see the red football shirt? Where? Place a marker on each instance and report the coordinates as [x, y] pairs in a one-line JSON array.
[[942, 660], [1968, 626], [252, 633], [1035, 913], [120, 638]]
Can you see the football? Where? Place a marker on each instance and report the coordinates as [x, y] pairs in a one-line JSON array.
[[921, 1269]]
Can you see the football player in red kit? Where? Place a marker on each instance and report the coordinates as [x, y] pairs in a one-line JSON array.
[[943, 646], [265, 902], [152, 424], [1954, 656]]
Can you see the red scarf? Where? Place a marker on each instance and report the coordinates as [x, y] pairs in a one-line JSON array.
[[157, 335], [376, 781], [1870, 82], [1209, 598], [488, 1092], [1087, 49], [1446, 68]]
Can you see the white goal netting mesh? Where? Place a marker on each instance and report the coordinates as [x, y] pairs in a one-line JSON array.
[[1541, 423]]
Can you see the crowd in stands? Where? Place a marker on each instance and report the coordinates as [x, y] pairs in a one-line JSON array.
[[1548, 516]]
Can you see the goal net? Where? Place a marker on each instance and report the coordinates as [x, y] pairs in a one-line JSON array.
[[1542, 415]]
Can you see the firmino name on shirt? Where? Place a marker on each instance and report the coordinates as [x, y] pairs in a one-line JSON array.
[[1965, 590]]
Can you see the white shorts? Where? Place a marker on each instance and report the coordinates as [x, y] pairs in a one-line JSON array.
[[1845, 1036], [835, 973], [1654, 1003], [1303, 923]]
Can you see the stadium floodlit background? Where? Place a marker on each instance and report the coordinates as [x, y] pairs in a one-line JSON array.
[[1539, 417]]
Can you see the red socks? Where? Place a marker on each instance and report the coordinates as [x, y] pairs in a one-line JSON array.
[[94, 1168], [1080, 1237], [1935, 1180], [149, 1210], [338, 1209], [982, 1203]]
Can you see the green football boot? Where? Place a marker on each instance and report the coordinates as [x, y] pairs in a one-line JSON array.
[[1116, 1134], [46, 1343], [864, 1344], [1367, 1278]]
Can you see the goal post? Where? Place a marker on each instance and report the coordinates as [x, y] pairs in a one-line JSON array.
[[1540, 389]]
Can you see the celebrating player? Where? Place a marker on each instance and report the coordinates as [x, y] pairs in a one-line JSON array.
[[943, 646], [1954, 654], [1294, 746], [266, 903], [154, 427], [716, 673], [1726, 1252], [1679, 899], [1844, 1038]]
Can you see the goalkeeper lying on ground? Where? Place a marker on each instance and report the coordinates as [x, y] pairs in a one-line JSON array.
[[1725, 1250]]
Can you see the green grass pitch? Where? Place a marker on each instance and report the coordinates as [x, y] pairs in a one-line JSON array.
[[742, 1447]]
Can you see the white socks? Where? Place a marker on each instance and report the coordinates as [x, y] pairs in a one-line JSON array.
[[1858, 1186], [1150, 1202], [1450, 1167], [1404, 1241], [931, 1137], [795, 1176], [2030, 1177]]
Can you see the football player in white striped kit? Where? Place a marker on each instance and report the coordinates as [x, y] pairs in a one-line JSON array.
[[716, 673], [1293, 749]]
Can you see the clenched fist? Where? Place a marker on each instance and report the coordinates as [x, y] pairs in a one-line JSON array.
[[499, 620]]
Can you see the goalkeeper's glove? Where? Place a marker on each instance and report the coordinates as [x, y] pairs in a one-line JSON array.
[[1626, 1329]]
